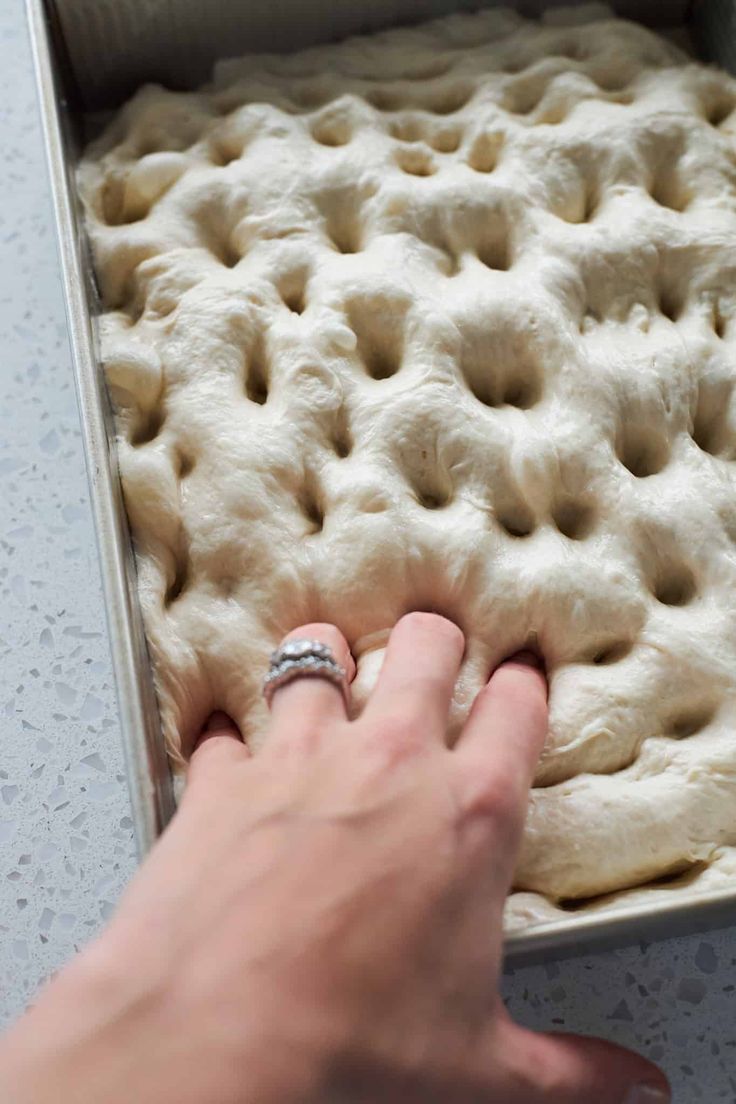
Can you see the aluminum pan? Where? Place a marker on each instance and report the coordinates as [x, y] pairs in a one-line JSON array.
[[129, 33], [149, 778]]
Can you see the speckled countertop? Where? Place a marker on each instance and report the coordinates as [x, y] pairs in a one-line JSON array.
[[66, 840]]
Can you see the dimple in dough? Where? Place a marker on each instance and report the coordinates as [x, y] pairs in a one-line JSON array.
[[445, 318]]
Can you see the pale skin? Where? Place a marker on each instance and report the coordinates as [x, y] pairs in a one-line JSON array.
[[321, 922]]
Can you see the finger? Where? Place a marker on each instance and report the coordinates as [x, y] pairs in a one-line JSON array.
[[219, 747], [573, 1069], [418, 675], [504, 733], [501, 743], [309, 703], [218, 724]]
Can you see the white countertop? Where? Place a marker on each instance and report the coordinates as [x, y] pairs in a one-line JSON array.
[[66, 840]]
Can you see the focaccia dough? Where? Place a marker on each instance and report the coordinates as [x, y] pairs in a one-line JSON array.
[[445, 318]]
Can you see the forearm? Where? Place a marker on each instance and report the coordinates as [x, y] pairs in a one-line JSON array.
[[97, 1036], [80, 1042]]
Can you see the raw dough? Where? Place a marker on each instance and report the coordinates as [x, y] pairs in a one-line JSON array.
[[445, 319]]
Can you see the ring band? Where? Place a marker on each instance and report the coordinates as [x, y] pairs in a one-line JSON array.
[[304, 659]]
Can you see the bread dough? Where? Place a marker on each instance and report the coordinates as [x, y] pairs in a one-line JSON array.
[[444, 319]]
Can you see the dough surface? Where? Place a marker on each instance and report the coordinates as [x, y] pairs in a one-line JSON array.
[[445, 318]]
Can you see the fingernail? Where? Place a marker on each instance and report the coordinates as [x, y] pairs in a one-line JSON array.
[[527, 658], [218, 719], [647, 1094]]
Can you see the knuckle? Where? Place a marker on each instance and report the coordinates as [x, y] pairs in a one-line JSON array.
[[394, 730], [299, 739], [533, 1067], [499, 802], [395, 737], [554, 1077]]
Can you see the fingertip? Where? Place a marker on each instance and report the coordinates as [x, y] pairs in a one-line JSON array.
[[418, 675], [505, 732], [217, 724], [529, 665], [428, 622], [526, 658], [220, 746], [219, 720]]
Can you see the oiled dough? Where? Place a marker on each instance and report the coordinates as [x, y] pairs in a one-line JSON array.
[[445, 318]]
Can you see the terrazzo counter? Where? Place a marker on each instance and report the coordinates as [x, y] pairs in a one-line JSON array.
[[66, 836]]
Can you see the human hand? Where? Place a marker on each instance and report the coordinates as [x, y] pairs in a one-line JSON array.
[[321, 922]]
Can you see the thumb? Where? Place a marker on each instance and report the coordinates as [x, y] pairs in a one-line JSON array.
[[219, 747], [575, 1069]]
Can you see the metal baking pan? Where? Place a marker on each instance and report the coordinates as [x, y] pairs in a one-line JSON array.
[[89, 56]]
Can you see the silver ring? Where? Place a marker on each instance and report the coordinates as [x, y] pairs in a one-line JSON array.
[[304, 659]]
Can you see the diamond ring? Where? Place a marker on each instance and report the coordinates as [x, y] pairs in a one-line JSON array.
[[303, 659]]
